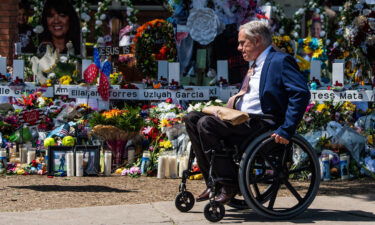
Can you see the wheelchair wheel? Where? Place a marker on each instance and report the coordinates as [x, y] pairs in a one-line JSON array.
[[214, 211], [270, 171], [184, 201]]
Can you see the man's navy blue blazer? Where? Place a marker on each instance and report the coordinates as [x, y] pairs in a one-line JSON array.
[[283, 92]]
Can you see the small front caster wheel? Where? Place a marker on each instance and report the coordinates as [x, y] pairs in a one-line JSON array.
[[184, 201], [214, 211]]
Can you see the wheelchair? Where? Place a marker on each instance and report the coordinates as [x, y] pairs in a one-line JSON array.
[[266, 172]]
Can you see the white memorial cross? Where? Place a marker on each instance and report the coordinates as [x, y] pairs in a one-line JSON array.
[[222, 69], [337, 73], [18, 68], [315, 70], [162, 69], [3, 65], [174, 72]]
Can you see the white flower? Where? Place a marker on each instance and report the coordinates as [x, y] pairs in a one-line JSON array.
[[340, 8], [103, 16], [366, 12], [317, 11], [218, 101], [100, 40], [51, 76], [198, 106], [84, 30], [322, 33], [35, 8], [358, 6], [63, 59], [38, 29], [328, 42], [169, 115], [336, 44], [295, 34], [98, 22], [297, 27], [190, 108], [281, 31], [341, 23], [85, 17], [41, 102]]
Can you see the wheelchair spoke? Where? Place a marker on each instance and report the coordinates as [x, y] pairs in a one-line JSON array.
[[293, 190], [300, 169], [264, 178], [274, 195], [257, 192], [285, 155]]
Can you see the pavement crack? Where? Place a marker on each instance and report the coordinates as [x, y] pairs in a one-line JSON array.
[[163, 213]]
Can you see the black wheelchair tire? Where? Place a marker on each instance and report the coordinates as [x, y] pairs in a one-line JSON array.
[[211, 213], [184, 201], [257, 206]]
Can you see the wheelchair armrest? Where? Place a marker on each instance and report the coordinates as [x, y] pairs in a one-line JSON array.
[[261, 116]]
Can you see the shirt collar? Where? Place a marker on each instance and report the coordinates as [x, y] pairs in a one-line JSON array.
[[262, 57]]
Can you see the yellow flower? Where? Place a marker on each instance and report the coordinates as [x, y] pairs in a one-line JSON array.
[[321, 107], [348, 106], [66, 80], [286, 38], [318, 53], [165, 144], [307, 40], [164, 123], [113, 113], [307, 49]]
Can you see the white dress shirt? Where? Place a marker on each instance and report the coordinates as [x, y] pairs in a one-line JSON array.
[[250, 102]]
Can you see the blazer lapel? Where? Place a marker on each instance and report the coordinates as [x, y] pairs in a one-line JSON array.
[[263, 75]]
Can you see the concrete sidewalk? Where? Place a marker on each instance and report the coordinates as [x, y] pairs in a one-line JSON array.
[[324, 210]]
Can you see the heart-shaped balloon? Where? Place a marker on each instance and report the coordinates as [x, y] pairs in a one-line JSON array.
[[91, 73], [103, 88]]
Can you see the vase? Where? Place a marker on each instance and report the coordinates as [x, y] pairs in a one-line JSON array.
[[116, 146]]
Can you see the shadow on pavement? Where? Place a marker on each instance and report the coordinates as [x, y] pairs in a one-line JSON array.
[[309, 216], [87, 188]]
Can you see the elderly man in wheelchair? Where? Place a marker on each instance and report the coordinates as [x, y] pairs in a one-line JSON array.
[[256, 159]]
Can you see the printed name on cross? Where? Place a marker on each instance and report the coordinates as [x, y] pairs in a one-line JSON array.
[[322, 96], [118, 94], [349, 96], [4, 91], [158, 95], [196, 94]]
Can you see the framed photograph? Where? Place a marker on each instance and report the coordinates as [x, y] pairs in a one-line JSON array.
[[57, 165], [91, 159]]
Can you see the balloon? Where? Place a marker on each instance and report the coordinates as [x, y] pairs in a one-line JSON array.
[[68, 141], [49, 142], [103, 88], [91, 73]]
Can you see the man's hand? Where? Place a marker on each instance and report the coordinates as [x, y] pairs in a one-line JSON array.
[[279, 139]]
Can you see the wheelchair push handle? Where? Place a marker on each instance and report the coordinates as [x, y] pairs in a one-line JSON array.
[[261, 116]]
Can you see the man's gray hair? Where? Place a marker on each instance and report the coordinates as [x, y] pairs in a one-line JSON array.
[[258, 28]]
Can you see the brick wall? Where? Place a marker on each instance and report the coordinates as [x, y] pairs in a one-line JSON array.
[[8, 27]]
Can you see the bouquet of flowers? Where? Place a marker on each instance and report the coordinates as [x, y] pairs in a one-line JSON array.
[[116, 127]]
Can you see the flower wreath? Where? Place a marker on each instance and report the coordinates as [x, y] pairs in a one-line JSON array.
[[147, 50], [357, 28], [312, 6]]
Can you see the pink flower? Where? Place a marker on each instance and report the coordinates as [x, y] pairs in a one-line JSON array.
[[309, 107]]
